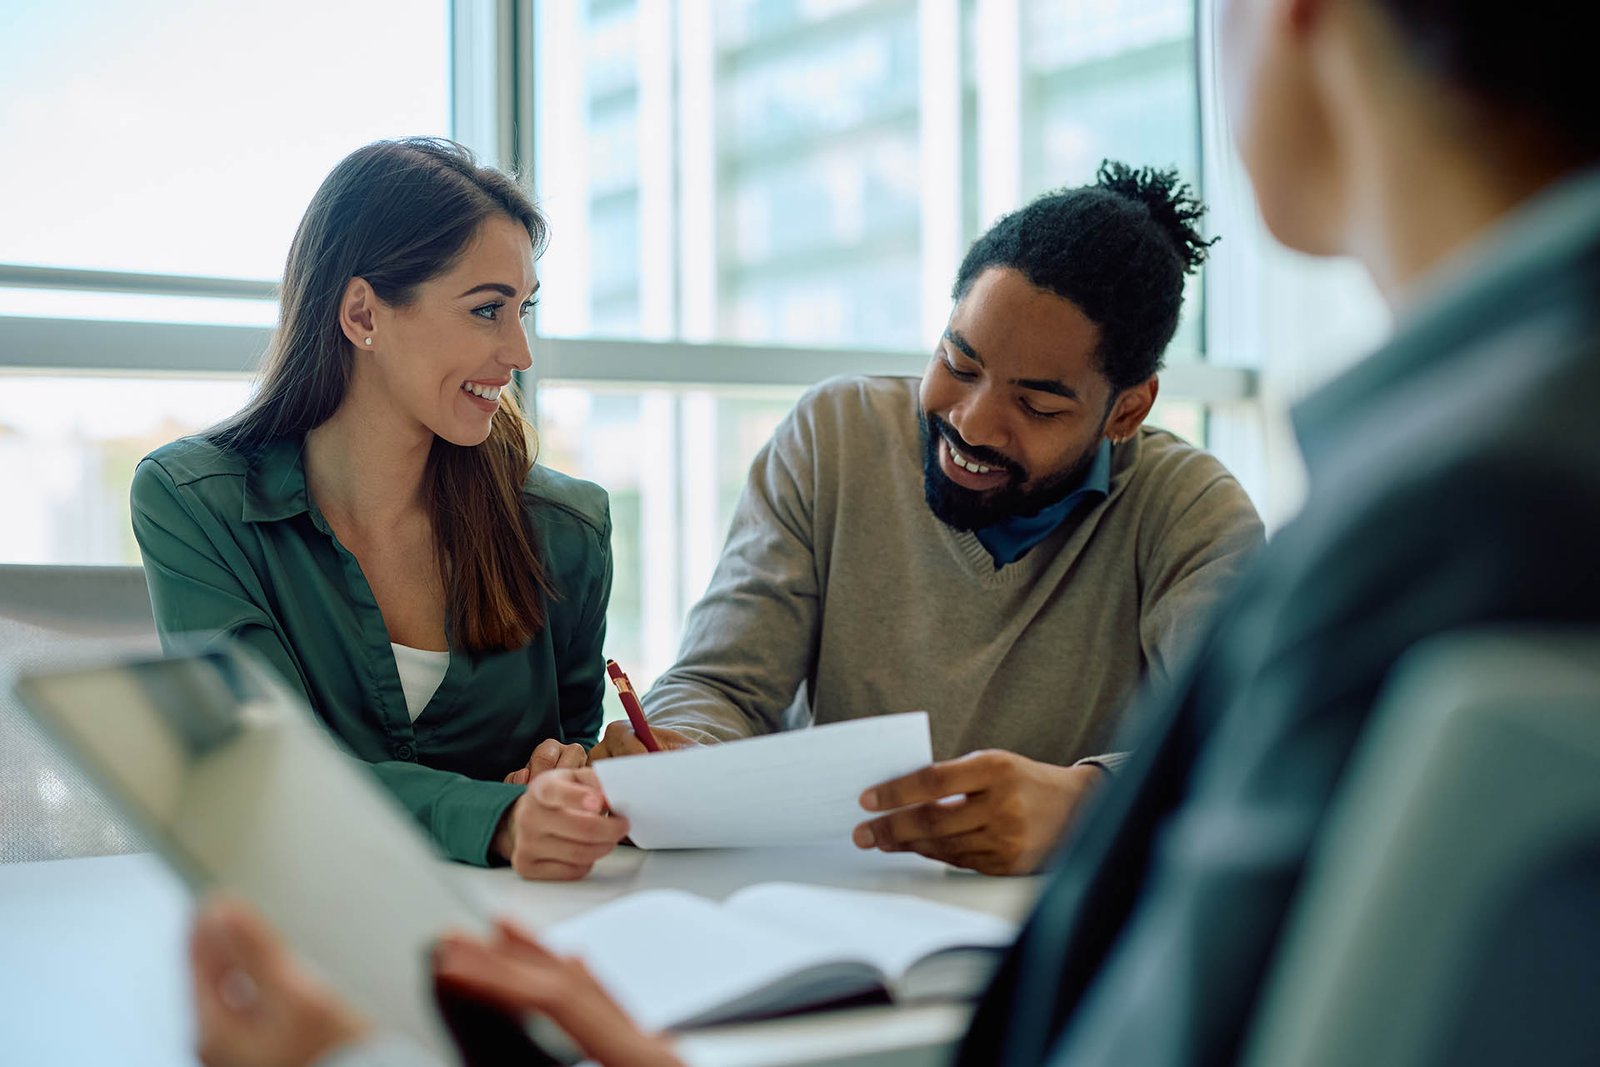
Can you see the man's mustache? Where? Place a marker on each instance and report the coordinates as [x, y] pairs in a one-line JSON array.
[[976, 453]]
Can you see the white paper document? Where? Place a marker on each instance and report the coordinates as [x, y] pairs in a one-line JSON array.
[[796, 787]]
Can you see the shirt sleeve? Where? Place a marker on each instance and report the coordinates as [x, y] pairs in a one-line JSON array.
[[461, 814], [581, 657], [751, 640], [202, 584]]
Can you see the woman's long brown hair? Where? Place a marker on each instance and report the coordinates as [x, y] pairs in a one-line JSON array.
[[398, 213]]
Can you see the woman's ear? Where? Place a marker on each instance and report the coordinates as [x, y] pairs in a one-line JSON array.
[[356, 314], [1131, 408]]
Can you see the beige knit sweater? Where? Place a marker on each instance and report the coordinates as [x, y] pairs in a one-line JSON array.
[[837, 584]]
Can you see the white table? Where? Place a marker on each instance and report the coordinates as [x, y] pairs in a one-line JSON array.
[[93, 968]]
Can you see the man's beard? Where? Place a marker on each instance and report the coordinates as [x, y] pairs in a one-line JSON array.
[[970, 509]]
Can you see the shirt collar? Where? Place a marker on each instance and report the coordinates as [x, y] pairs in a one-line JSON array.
[[1010, 539], [1516, 265], [275, 486]]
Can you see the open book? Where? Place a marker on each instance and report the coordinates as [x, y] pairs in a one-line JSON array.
[[675, 960]]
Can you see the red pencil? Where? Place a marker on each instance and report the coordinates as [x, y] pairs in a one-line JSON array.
[[630, 704]]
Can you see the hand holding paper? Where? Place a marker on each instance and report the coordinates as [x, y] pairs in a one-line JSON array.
[[798, 787], [994, 812], [558, 828]]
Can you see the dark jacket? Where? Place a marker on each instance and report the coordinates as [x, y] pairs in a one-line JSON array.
[[1454, 480]]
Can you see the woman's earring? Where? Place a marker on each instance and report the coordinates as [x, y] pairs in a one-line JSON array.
[[369, 342]]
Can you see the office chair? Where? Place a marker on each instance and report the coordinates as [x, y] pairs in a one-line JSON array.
[[82, 600], [51, 614], [1451, 914]]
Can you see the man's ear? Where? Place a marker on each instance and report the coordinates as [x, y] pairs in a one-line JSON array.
[[1131, 408], [357, 314]]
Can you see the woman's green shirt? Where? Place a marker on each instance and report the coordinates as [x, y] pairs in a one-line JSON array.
[[234, 545]]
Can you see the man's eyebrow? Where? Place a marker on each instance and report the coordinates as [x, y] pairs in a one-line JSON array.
[[1048, 385], [1053, 386], [955, 338], [496, 287]]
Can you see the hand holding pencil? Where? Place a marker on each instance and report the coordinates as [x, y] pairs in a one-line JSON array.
[[636, 736], [630, 704]]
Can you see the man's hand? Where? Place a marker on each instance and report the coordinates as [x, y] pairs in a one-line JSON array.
[[559, 827], [548, 755], [255, 1006], [515, 973], [620, 740], [994, 812]]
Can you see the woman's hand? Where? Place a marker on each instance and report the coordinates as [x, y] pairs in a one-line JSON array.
[[559, 827], [548, 755], [515, 973], [254, 1004]]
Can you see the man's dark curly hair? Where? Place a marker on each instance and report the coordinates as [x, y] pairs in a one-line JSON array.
[[1119, 249]]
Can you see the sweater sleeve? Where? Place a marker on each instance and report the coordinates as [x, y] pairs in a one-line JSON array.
[[200, 584], [751, 640], [1189, 559], [1110, 762]]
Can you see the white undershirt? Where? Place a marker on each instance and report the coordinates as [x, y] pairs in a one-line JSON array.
[[420, 671]]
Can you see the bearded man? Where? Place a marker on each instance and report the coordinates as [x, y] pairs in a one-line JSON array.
[[1003, 543]]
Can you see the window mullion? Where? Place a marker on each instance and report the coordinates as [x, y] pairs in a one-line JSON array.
[[998, 48], [940, 136]]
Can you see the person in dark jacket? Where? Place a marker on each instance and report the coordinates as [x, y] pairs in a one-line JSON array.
[[1454, 480]]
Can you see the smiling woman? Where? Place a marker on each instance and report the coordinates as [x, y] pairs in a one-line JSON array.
[[374, 524]]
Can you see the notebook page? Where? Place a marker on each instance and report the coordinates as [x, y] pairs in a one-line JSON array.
[[669, 956], [796, 787], [893, 930]]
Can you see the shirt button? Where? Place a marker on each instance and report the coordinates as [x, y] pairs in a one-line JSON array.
[[403, 751]]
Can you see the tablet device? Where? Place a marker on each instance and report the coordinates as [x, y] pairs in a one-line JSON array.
[[236, 784]]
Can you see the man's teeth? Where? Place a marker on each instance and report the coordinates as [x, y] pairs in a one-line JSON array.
[[488, 392], [966, 464]]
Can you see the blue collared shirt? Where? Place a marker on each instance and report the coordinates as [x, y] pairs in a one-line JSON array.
[[1010, 539]]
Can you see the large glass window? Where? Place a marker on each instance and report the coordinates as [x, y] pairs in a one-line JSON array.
[[674, 462], [1112, 79], [178, 138], [809, 173], [775, 174], [68, 446], [185, 137], [779, 173]]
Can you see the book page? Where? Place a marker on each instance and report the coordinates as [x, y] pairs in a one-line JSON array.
[[797, 787], [893, 930], [671, 957]]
